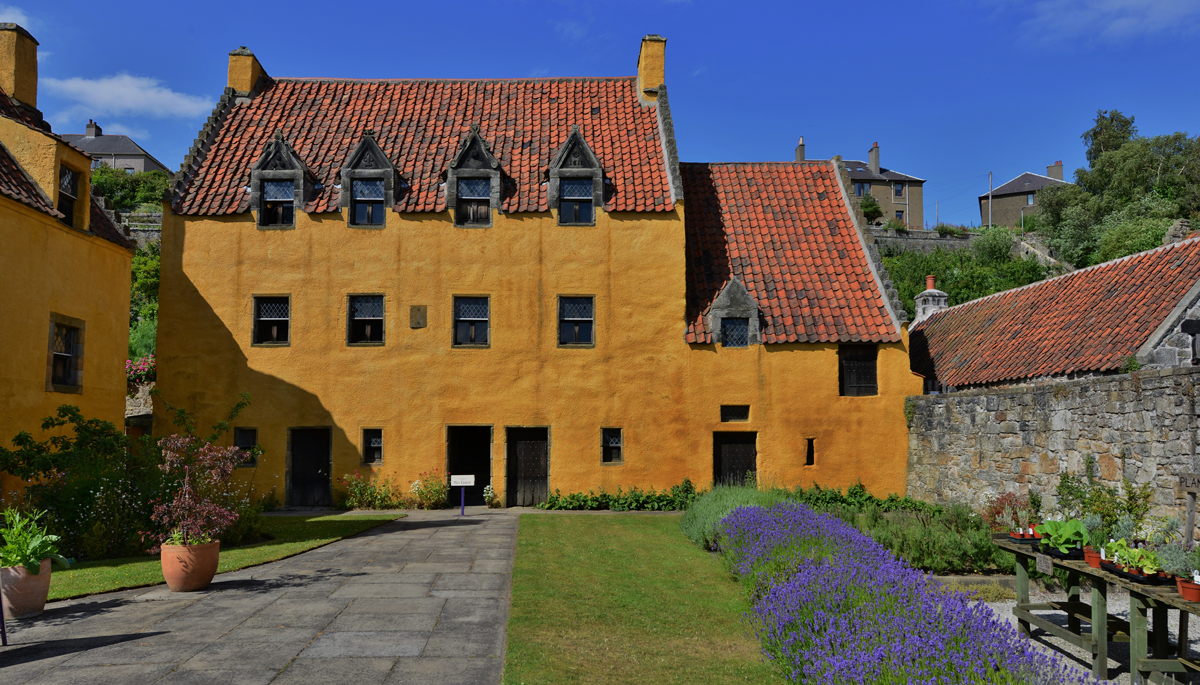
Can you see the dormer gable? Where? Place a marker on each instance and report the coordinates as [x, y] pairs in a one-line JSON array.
[[735, 303], [279, 164], [375, 175], [474, 153], [576, 162]]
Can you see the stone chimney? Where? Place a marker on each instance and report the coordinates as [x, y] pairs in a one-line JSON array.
[[1055, 170], [800, 150], [930, 301], [18, 64], [93, 130], [873, 158], [244, 71], [652, 65]]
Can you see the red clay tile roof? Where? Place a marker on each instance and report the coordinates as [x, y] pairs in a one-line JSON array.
[[1087, 320], [420, 124], [784, 230]]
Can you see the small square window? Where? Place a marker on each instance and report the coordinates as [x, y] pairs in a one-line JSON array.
[[857, 370], [272, 318], [474, 205], [861, 189], [366, 319], [575, 201], [246, 440], [68, 193], [372, 445], [735, 412], [1029, 199], [278, 203], [899, 216], [611, 446], [899, 189], [65, 349], [471, 320], [367, 202], [576, 321], [735, 332]]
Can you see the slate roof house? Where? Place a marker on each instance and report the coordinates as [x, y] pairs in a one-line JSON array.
[[1018, 198], [516, 279], [1087, 322], [900, 196], [117, 151], [64, 269]]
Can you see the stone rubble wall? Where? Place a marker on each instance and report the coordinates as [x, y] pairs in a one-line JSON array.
[[140, 403], [918, 240], [971, 446]]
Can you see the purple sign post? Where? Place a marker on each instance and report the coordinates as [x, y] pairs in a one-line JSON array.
[[462, 482]]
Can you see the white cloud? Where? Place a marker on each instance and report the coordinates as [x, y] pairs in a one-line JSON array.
[[43, 55], [125, 94], [1108, 20], [16, 15], [123, 130], [572, 31]]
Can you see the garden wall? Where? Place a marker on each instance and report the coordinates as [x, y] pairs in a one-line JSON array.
[[970, 446], [918, 240]]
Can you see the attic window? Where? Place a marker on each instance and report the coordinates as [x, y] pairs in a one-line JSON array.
[[368, 184], [68, 192], [368, 203], [278, 203], [576, 181], [735, 332], [576, 204], [474, 202]]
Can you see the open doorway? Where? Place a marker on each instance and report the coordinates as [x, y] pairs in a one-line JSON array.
[[469, 451], [528, 458], [310, 468], [734, 455]]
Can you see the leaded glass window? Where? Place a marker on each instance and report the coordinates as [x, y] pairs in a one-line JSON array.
[[366, 319], [474, 189], [471, 320], [611, 445], [575, 201], [372, 445], [367, 202], [68, 193], [278, 203], [735, 332], [857, 370], [65, 352], [576, 320], [474, 205], [272, 319]]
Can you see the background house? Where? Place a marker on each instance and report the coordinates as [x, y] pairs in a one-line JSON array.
[[117, 151], [1018, 198], [900, 196]]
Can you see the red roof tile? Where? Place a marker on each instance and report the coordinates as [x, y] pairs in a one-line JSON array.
[[1087, 320], [783, 229], [420, 124]]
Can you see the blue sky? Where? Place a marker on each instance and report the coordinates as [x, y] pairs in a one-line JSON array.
[[950, 90]]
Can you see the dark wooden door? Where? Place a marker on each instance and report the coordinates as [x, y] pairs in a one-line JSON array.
[[469, 451], [734, 455], [311, 468], [528, 466]]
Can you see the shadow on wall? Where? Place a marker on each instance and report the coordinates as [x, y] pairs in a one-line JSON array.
[[707, 247], [202, 368]]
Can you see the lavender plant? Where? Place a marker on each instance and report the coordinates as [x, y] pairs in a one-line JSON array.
[[832, 606]]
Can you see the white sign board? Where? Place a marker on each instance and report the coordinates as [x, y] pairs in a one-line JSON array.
[[462, 481]]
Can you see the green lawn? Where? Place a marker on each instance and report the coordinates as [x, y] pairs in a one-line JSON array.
[[624, 599], [292, 535]]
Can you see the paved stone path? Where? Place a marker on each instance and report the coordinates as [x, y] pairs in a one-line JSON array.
[[420, 600]]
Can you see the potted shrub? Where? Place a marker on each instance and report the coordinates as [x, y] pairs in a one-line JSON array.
[[1184, 564], [25, 558], [194, 518], [1097, 535], [1064, 537]]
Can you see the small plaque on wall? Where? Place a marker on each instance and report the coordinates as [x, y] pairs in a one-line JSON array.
[[417, 316]]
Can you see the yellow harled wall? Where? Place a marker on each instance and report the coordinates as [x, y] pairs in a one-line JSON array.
[[641, 375]]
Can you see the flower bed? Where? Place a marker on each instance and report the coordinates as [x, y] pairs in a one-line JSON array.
[[833, 606]]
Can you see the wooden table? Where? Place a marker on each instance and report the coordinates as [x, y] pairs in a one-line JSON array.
[[1146, 602]]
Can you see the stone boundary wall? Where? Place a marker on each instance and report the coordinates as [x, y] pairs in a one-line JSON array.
[[918, 240], [970, 446]]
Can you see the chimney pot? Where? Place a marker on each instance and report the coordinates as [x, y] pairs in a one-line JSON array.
[[930, 301], [873, 158], [800, 150], [929, 282], [93, 129], [1055, 171]]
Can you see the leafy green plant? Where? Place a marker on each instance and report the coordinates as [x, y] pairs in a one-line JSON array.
[[677, 498], [365, 492], [430, 490], [1063, 535], [961, 273], [870, 208], [1179, 560], [1130, 364], [26, 543]]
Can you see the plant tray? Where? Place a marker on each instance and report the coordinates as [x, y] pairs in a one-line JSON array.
[[1052, 551], [1133, 577]]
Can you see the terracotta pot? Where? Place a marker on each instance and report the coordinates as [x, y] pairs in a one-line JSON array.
[[25, 593], [1189, 590], [1092, 557], [188, 568]]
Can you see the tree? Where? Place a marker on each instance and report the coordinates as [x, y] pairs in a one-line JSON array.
[[1112, 130], [125, 190], [870, 208]]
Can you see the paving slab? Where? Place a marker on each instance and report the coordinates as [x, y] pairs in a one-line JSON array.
[[364, 610]]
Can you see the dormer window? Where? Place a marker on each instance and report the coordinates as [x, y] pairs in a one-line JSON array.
[[278, 203], [279, 183], [368, 184], [473, 182], [68, 193], [474, 206], [576, 184], [733, 317]]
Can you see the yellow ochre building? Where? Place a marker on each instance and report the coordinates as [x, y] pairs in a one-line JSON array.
[[517, 279], [64, 267]]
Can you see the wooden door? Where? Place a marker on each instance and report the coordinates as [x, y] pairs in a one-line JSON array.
[[734, 455], [310, 468], [528, 457]]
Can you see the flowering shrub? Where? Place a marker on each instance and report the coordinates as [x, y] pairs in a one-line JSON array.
[[832, 606], [489, 497], [430, 490], [1002, 513], [195, 515], [140, 371], [365, 493]]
